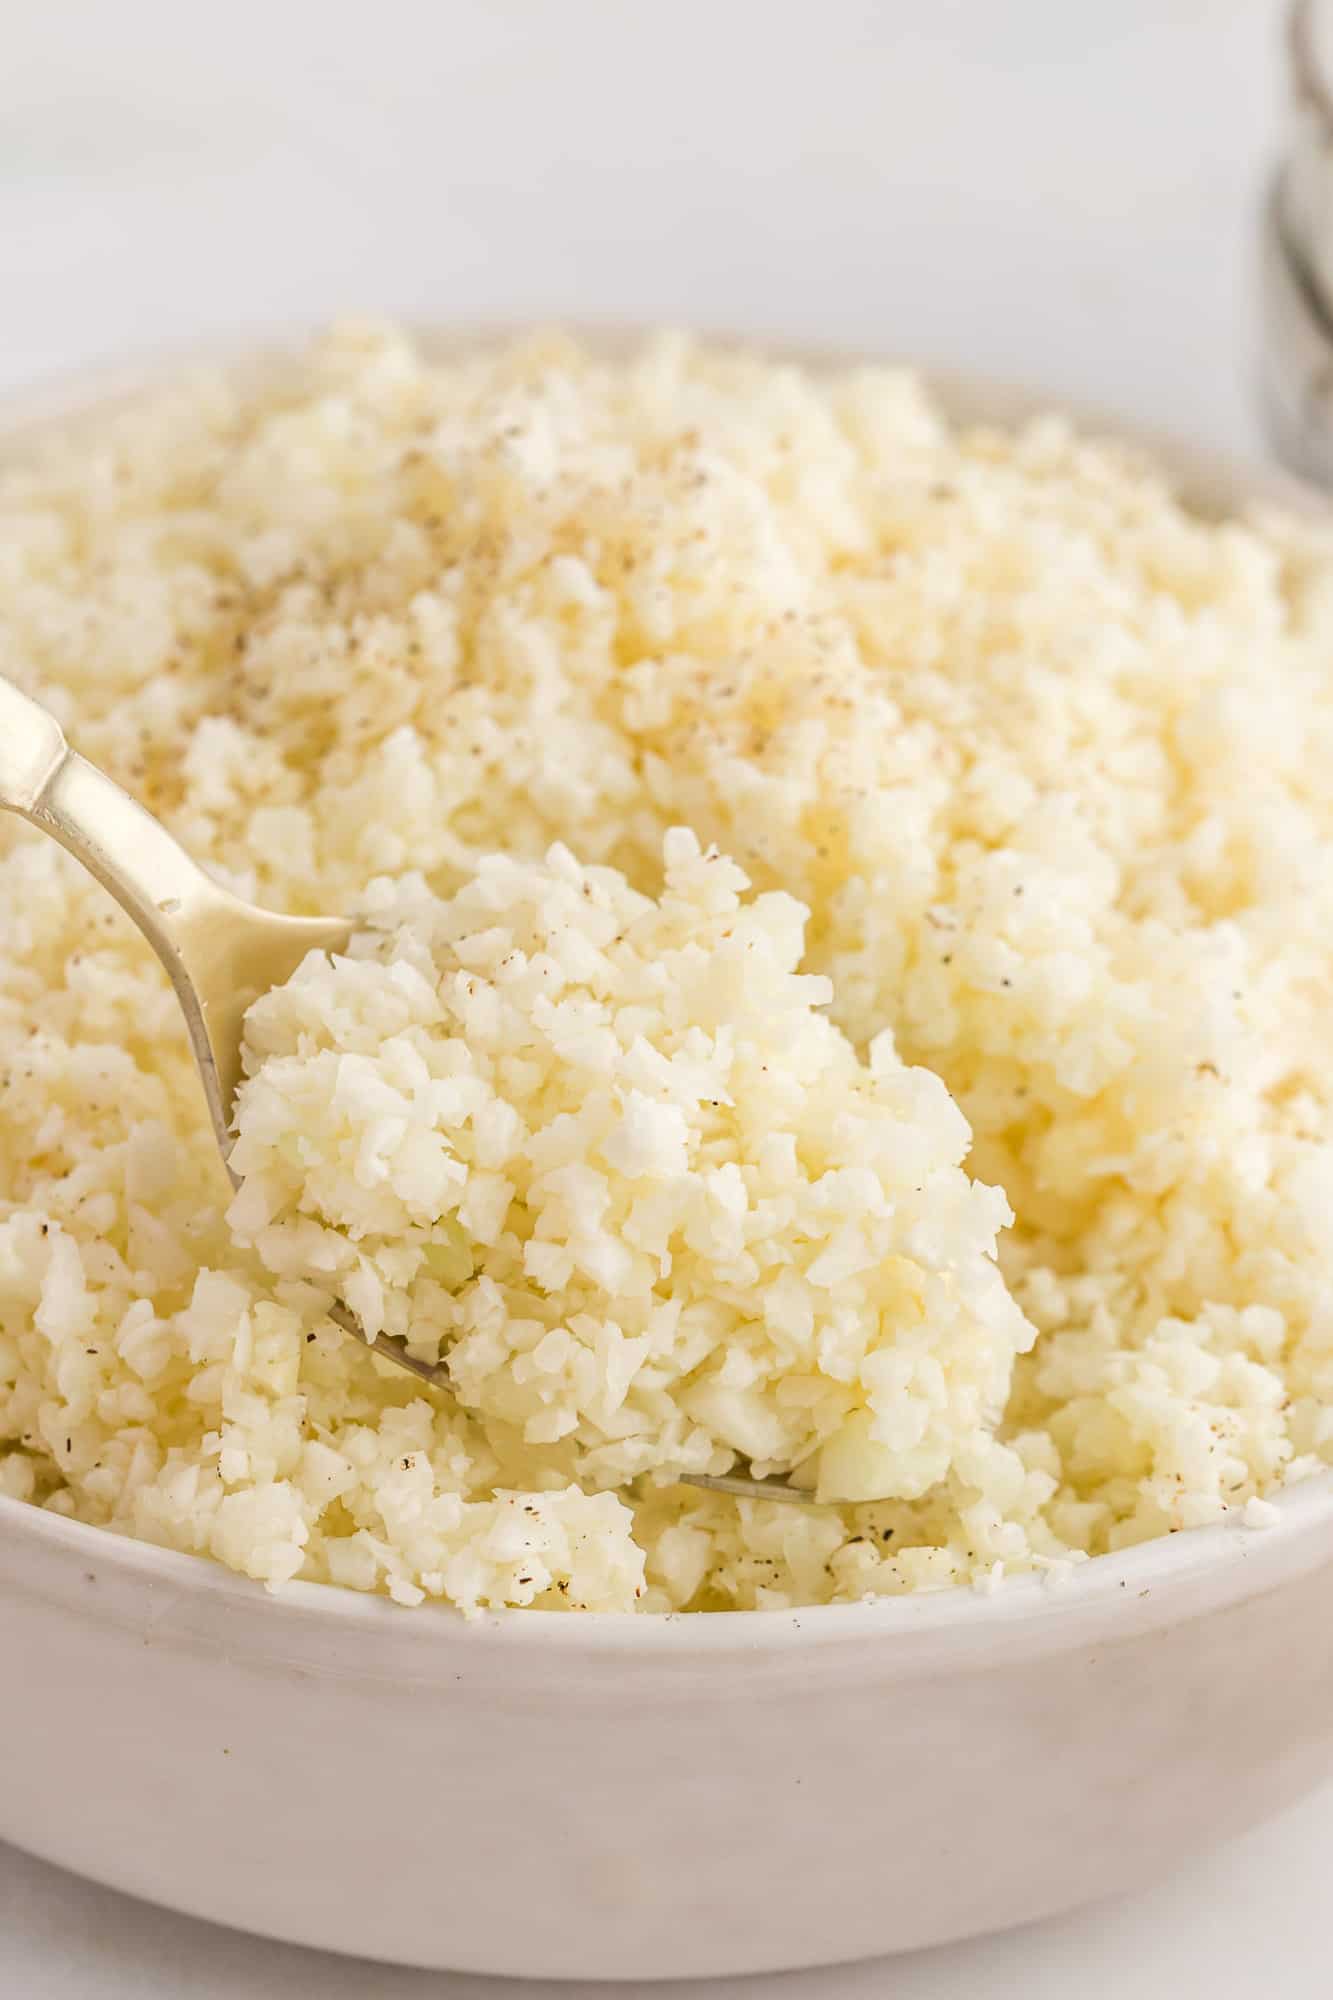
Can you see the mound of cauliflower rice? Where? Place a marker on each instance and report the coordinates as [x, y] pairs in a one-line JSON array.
[[844, 955], [609, 1158]]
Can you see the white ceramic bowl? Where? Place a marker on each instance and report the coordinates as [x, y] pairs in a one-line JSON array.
[[619, 1796]]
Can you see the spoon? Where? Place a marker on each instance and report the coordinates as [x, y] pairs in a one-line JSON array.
[[220, 953]]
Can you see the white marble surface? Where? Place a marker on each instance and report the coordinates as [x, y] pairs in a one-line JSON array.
[[1061, 193]]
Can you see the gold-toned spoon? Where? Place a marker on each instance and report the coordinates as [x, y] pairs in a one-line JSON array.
[[220, 953]]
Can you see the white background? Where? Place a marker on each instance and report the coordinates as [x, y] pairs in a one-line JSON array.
[[1062, 191]]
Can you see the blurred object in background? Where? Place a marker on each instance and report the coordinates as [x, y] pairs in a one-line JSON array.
[[1297, 256]]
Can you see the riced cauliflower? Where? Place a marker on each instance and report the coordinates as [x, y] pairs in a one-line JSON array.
[[604, 1156], [923, 780]]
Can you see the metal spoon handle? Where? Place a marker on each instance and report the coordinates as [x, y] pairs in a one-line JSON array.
[[219, 952]]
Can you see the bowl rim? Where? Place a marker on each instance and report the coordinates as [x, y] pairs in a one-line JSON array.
[[1215, 1559], [1157, 1582]]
